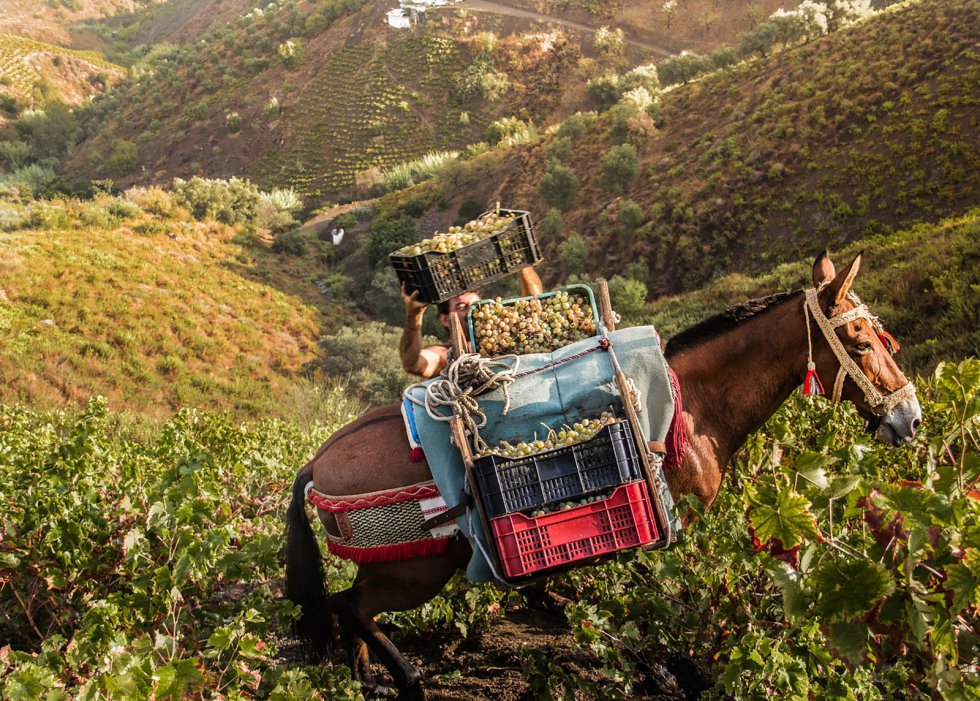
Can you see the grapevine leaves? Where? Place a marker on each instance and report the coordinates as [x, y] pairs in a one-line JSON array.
[[846, 589], [782, 515]]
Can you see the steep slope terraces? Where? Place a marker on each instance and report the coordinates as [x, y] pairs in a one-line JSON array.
[[860, 132], [25, 63], [356, 96]]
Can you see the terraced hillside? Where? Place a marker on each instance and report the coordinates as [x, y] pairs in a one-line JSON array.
[[858, 133], [25, 63], [275, 96]]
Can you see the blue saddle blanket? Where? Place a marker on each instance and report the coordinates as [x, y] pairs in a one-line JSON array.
[[550, 389]]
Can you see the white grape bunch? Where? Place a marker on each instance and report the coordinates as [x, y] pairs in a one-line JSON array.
[[458, 236], [534, 325], [578, 432]]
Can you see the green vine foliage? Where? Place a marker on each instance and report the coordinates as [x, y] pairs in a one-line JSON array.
[[141, 561], [829, 566]]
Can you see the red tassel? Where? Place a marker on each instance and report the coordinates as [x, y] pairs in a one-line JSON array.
[[811, 382], [417, 455], [888, 341]]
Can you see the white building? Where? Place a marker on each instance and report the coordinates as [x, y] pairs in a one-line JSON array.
[[399, 19]]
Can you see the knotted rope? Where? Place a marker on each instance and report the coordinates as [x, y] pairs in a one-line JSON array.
[[467, 377]]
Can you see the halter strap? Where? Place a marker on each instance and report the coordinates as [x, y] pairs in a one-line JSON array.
[[848, 368]]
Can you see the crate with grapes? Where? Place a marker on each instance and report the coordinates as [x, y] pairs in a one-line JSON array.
[[540, 324], [462, 258], [567, 467]]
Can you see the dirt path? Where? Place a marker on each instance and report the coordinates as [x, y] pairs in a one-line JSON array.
[[490, 666], [485, 6]]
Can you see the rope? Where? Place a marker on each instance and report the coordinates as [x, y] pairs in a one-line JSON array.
[[827, 325], [463, 380]]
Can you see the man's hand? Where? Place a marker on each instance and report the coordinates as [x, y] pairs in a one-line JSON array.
[[413, 306]]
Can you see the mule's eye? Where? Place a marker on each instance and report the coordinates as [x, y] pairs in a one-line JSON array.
[[862, 347]]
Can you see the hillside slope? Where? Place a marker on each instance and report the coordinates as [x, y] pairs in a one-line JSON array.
[[153, 311], [73, 75], [860, 132], [289, 96]]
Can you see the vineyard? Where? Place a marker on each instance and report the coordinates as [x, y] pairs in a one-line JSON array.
[[24, 61], [141, 561], [367, 108]]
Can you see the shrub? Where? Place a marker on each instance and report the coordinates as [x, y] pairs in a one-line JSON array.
[[609, 41], [468, 211], [123, 208], [630, 217], [234, 122], [504, 128], [620, 166], [551, 223], [338, 286], [154, 200], [231, 201], [274, 210], [123, 158], [628, 296], [291, 242], [605, 91], [576, 125], [388, 235], [419, 170], [347, 220], [683, 67], [290, 53], [573, 253], [44, 215], [273, 108], [560, 149], [559, 186], [15, 154], [382, 379], [482, 78], [37, 180]]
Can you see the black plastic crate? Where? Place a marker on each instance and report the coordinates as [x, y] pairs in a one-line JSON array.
[[439, 276], [607, 460]]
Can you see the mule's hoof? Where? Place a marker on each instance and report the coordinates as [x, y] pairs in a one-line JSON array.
[[376, 691], [412, 693]]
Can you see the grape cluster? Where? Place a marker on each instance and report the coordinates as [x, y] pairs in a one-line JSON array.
[[458, 236], [535, 325], [565, 505], [578, 432]]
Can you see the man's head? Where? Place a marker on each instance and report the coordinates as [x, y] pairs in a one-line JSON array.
[[458, 305]]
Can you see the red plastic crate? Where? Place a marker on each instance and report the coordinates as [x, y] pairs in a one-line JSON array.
[[531, 544]]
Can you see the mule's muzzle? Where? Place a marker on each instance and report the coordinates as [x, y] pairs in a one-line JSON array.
[[898, 425]]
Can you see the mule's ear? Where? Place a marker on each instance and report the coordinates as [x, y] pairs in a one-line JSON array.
[[837, 290], [823, 270]]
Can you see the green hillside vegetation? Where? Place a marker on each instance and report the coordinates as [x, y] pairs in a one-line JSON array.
[[29, 67], [282, 96], [924, 283], [854, 134], [134, 298]]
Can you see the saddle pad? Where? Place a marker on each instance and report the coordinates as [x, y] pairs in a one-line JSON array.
[[385, 526], [571, 383]]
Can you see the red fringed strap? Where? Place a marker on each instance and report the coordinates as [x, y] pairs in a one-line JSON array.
[[389, 553], [676, 434]]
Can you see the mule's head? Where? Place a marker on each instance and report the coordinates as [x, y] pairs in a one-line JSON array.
[[874, 383]]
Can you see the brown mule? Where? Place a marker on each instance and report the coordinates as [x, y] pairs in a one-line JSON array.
[[735, 370]]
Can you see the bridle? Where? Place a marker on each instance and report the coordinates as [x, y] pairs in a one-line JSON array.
[[848, 368]]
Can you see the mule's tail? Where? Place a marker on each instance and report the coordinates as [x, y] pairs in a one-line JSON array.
[[304, 572]]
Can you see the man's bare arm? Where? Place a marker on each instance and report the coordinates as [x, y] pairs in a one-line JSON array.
[[425, 362], [530, 282]]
